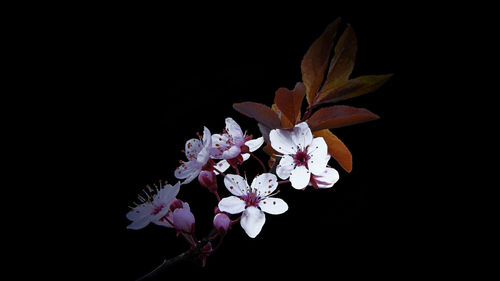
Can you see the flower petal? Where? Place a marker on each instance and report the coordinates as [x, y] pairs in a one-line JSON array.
[[192, 148], [273, 206], [220, 143], [265, 184], [300, 177], [285, 167], [254, 144], [140, 223], [140, 212], [301, 135], [168, 193], [188, 170], [232, 205], [318, 153], [231, 153], [327, 179], [222, 166], [281, 141], [234, 130], [235, 184], [252, 221]]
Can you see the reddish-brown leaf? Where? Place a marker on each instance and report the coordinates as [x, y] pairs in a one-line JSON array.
[[259, 112], [285, 123], [339, 116], [355, 87], [337, 149], [289, 102], [315, 60], [343, 60]]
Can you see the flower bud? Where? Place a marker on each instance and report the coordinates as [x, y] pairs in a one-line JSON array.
[[176, 204], [208, 179], [222, 222], [183, 220]]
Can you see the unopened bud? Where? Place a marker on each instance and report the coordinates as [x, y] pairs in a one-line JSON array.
[[222, 222], [176, 204], [183, 220], [208, 179]]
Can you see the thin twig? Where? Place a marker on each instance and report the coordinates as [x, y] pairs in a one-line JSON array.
[[181, 257], [260, 162]]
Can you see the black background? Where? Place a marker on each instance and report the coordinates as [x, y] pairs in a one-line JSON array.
[[141, 81]]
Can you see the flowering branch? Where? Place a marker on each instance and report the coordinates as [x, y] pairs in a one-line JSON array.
[[303, 146]]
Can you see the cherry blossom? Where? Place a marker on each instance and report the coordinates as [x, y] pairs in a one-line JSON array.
[[302, 154], [153, 206], [233, 143], [252, 200], [198, 154]]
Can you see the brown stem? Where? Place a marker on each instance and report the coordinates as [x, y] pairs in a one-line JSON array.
[[193, 252]]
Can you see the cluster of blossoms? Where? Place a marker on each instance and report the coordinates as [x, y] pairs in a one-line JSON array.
[[299, 148], [303, 161]]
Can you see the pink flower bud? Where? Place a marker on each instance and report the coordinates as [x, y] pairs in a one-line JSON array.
[[183, 220], [222, 222], [208, 179], [176, 204]]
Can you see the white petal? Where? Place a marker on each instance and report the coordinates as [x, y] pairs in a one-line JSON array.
[[252, 221], [140, 223], [207, 137], [232, 152], [254, 144], [327, 179], [318, 153], [235, 184], [192, 148], [234, 130], [220, 143], [222, 166], [186, 169], [232, 205], [300, 177], [285, 167], [265, 184], [302, 135], [281, 141], [194, 174], [273, 206], [245, 156], [140, 212], [168, 193]]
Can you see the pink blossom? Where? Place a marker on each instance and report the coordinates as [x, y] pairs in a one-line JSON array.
[[198, 154], [302, 155], [252, 201], [233, 145], [153, 207]]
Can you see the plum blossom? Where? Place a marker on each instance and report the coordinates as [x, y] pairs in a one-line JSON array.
[[302, 155], [198, 154], [252, 200], [233, 145], [153, 206]]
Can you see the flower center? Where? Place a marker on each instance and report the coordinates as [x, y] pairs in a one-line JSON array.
[[301, 157], [251, 199], [157, 209]]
